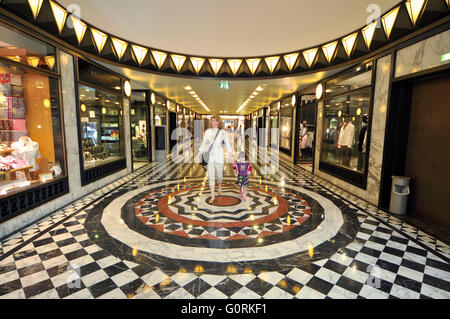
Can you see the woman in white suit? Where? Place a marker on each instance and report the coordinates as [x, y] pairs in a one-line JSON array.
[[216, 161]]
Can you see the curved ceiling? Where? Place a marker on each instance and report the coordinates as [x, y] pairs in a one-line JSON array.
[[232, 28]]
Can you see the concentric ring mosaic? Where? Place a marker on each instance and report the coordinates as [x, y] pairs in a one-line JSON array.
[[174, 221]]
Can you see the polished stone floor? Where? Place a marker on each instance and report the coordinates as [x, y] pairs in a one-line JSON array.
[[153, 234]]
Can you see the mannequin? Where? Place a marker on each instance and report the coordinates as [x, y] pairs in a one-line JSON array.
[[362, 142], [346, 139], [303, 138], [28, 150]]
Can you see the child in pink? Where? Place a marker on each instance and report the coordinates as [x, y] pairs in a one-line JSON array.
[[243, 170]]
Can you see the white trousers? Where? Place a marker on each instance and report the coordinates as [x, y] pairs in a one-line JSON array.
[[215, 170]]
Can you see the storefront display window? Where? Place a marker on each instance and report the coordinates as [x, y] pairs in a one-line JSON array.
[[160, 112], [307, 117], [346, 120], [286, 128], [26, 50], [31, 140], [160, 118], [139, 126], [101, 127]]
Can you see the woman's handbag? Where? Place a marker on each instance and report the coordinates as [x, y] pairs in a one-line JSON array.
[[205, 157]]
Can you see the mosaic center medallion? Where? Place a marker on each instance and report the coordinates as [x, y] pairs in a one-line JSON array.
[[161, 220]]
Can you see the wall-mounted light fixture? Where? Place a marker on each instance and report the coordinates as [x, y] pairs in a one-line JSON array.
[[319, 91], [153, 98], [127, 88]]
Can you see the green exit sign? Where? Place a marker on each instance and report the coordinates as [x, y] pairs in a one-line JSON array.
[[445, 57], [224, 85]]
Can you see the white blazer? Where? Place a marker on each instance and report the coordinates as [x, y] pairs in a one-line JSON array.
[[217, 154], [347, 136]]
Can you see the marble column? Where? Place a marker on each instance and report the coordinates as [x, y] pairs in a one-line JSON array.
[[319, 133], [69, 104], [127, 133]]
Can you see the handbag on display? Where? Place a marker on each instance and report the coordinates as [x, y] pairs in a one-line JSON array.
[[89, 160], [206, 155]]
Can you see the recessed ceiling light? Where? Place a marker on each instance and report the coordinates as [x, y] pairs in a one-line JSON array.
[[188, 88]]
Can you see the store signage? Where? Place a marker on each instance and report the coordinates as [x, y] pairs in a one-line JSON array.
[[92, 74], [224, 85]]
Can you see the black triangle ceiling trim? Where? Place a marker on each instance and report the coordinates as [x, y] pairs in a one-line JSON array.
[[46, 19], [87, 44], [108, 50], [19, 7], [433, 11]]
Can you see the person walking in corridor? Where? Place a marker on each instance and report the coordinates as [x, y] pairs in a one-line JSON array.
[[215, 139]]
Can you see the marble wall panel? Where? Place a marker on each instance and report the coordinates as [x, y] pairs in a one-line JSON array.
[[423, 55], [127, 133]]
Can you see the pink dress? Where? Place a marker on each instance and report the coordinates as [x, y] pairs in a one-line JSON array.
[[304, 138]]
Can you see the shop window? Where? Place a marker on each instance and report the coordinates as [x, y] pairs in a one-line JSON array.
[[139, 126], [31, 144], [286, 115], [273, 122], [100, 111], [160, 113], [346, 118], [20, 48], [101, 127], [161, 129]]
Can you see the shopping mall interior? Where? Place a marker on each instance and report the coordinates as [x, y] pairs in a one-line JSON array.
[[328, 173]]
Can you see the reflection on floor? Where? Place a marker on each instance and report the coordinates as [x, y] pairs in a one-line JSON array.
[[153, 234], [138, 165]]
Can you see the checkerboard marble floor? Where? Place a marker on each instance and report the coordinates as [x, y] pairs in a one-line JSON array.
[[61, 256]]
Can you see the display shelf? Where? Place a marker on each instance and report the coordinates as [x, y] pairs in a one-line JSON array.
[[25, 169]]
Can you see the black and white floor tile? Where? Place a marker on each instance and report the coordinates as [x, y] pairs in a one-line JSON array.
[[99, 247]]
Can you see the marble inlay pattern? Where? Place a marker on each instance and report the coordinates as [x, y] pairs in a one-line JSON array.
[[327, 224], [423, 55], [387, 259]]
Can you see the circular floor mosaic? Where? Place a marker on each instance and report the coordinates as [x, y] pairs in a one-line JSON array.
[[188, 213], [174, 221]]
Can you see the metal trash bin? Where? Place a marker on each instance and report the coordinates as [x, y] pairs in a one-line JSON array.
[[399, 194]]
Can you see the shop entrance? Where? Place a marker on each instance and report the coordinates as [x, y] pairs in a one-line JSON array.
[[172, 127], [306, 134], [140, 130], [419, 134], [259, 134]]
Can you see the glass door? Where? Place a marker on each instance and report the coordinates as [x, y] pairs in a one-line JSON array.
[[307, 130], [139, 129]]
